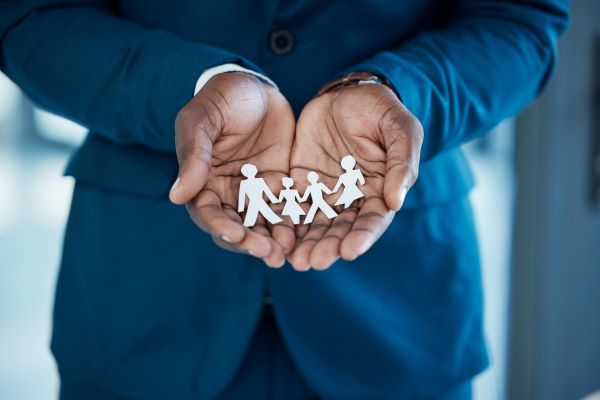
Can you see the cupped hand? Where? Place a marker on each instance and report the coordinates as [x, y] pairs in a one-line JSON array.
[[233, 120], [371, 124]]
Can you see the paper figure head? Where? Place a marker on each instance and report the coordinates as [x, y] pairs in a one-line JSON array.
[[348, 162], [249, 170], [312, 176], [287, 182]]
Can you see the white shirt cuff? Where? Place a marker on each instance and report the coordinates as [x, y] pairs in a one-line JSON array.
[[219, 69]]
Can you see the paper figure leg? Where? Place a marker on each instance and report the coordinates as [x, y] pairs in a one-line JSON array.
[[328, 211], [295, 218], [269, 215], [311, 214], [251, 215], [348, 197]]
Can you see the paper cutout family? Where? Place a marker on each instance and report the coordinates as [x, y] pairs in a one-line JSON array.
[[253, 188]]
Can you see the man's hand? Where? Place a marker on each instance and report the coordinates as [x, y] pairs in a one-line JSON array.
[[371, 124], [235, 119]]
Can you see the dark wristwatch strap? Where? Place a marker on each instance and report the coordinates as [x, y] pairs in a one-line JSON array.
[[354, 78]]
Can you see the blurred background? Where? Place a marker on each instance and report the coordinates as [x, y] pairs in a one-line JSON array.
[[537, 205]]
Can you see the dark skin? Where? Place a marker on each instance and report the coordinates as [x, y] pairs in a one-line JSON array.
[[371, 124], [237, 119]]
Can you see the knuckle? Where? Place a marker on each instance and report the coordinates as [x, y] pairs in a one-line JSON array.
[[417, 129], [182, 117]]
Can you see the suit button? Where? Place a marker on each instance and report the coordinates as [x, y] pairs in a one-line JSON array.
[[281, 42]]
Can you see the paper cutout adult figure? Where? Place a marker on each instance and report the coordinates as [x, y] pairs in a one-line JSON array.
[[315, 191], [254, 188], [291, 196], [349, 179]]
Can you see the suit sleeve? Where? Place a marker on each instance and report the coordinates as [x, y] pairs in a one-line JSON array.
[[77, 59], [486, 63]]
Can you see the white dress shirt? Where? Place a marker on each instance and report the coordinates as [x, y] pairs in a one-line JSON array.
[[223, 68]]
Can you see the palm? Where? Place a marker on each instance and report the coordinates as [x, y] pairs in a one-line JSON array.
[[263, 139], [234, 120], [350, 121]]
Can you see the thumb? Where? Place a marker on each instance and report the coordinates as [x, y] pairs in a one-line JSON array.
[[397, 182], [194, 166], [402, 168]]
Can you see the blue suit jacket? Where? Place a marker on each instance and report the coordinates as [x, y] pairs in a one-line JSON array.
[[148, 307]]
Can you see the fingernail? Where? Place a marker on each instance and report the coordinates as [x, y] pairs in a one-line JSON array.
[[251, 253], [226, 239], [175, 184], [402, 195]]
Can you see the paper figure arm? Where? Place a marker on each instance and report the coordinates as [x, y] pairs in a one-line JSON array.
[[361, 178], [337, 185], [305, 196], [270, 194], [326, 189], [242, 198]]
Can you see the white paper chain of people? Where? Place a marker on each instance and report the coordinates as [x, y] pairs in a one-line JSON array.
[[254, 188]]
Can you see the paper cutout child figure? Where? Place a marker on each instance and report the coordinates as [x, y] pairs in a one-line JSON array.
[[291, 197], [315, 191], [349, 179], [254, 188]]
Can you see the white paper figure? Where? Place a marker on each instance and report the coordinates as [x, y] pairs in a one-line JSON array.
[[254, 188], [349, 179], [291, 197], [315, 191]]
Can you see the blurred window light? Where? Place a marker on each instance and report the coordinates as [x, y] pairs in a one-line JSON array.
[[9, 100], [9, 191], [50, 193], [58, 129]]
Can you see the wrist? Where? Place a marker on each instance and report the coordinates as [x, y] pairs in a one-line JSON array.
[[227, 68], [357, 78]]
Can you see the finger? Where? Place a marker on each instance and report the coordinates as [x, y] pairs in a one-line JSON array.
[[276, 257], [274, 260], [300, 257], [327, 250], [283, 233], [234, 248], [224, 242], [194, 152], [256, 245], [230, 211], [206, 212], [396, 185], [372, 220], [249, 244], [301, 230], [403, 145]]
